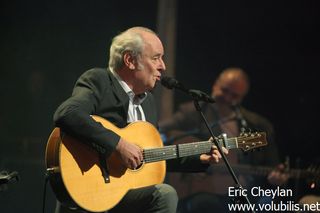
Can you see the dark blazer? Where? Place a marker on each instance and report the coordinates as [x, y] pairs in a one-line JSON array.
[[98, 92]]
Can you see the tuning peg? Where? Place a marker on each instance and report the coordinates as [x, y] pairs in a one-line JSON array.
[[254, 134], [244, 134]]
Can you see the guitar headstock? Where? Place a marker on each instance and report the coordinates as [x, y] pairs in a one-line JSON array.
[[249, 141]]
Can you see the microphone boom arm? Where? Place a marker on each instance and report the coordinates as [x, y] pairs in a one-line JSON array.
[[198, 95]]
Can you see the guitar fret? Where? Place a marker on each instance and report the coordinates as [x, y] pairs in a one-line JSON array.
[[194, 148], [171, 152], [158, 154], [188, 149], [232, 143]]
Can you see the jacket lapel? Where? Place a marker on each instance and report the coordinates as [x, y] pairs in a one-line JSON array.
[[119, 94]]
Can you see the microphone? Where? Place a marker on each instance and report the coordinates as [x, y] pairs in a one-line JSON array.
[[172, 83]]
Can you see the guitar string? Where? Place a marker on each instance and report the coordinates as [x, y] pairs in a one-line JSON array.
[[170, 152], [160, 151], [184, 149]]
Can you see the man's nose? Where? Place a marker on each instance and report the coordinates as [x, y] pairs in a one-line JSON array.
[[162, 65]]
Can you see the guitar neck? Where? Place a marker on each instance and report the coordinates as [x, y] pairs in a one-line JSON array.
[[185, 150]]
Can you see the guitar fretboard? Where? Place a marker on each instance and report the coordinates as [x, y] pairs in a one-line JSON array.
[[184, 150], [246, 142], [158, 154], [176, 151]]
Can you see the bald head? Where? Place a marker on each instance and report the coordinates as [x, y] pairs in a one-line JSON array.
[[231, 86], [139, 29]]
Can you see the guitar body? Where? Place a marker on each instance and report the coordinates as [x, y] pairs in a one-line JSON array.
[[77, 178]]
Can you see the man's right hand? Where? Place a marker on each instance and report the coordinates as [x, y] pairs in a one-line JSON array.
[[130, 154]]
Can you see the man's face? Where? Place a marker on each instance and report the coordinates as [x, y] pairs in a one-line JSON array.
[[229, 91], [150, 64]]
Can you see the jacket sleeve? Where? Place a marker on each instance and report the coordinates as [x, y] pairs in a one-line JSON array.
[[74, 115], [187, 164]]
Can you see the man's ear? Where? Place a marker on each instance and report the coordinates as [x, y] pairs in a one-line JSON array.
[[129, 60]]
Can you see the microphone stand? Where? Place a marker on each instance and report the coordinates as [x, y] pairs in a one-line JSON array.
[[239, 199], [197, 96]]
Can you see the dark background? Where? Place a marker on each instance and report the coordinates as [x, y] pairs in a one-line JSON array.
[[46, 45]]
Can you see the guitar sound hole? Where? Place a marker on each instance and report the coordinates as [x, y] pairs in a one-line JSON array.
[[138, 167]]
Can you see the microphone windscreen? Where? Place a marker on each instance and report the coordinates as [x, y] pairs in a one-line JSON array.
[[169, 82]]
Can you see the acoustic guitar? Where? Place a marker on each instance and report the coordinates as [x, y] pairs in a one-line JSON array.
[[76, 171]]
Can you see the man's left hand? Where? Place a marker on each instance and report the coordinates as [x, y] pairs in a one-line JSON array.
[[214, 156]]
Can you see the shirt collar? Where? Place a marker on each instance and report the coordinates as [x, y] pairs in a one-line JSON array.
[[136, 99]]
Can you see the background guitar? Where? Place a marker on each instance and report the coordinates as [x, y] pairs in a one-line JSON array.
[[188, 184]]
